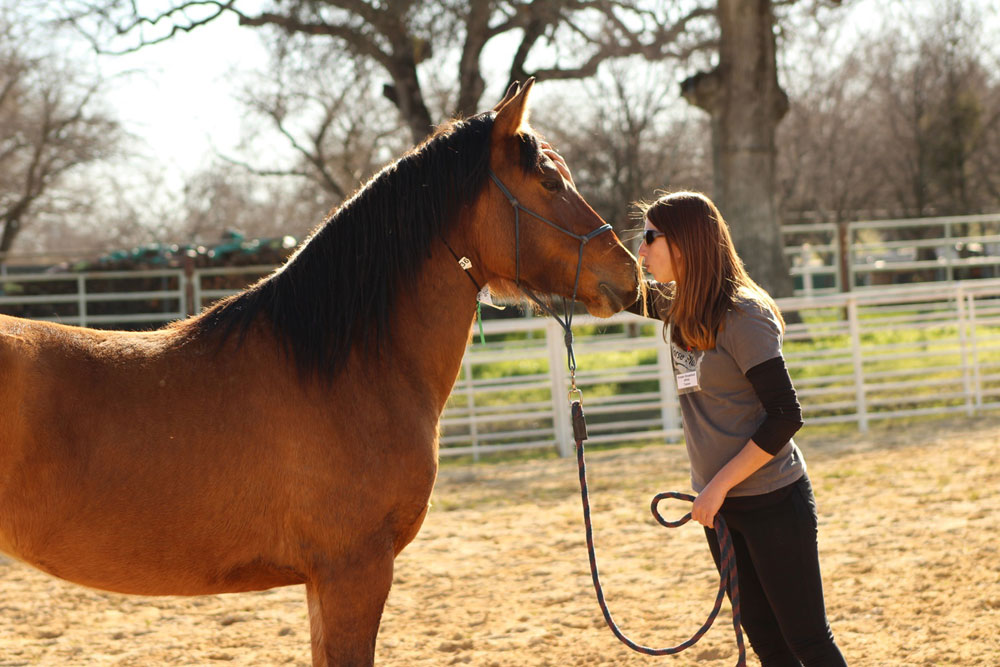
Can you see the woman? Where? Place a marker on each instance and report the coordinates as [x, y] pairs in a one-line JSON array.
[[740, 412]]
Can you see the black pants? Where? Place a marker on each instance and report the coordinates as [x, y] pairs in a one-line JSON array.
[[781, 591]]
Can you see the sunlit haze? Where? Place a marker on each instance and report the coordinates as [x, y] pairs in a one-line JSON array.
[[179, 96]]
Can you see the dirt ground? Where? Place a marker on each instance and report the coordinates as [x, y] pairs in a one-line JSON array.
[[909, 520]]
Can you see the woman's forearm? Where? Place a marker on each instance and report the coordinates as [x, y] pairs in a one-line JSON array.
[[745, 463], [750, 459]]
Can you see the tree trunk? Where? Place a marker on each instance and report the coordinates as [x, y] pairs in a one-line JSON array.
[[746, 104], [470, 76], [11, 222], [10, 229], [406, 94]]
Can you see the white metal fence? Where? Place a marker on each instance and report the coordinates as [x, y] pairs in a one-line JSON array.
[[884, 251], [120, 298], [96, 299], [855, 357]]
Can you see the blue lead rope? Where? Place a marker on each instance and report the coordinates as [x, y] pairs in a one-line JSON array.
[[728, 574]]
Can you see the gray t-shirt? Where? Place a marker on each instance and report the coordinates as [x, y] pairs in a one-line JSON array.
[[721, 411]]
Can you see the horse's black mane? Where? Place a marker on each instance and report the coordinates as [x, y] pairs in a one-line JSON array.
[[340, 287]]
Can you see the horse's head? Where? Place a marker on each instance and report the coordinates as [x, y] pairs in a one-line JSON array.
[[534, 223]]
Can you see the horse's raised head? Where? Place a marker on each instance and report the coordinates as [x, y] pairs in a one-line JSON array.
[[535, 222]]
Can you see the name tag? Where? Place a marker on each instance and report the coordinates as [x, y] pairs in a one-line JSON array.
[[687, 380]]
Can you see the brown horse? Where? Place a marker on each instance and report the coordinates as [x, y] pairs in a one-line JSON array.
[[288, 435]]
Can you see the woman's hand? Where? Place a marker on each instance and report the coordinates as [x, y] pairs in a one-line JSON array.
[[707, 504]]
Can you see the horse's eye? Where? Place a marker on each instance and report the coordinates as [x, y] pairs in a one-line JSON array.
[[552, 185]]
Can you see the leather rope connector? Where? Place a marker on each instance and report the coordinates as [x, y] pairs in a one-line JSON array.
[[579, 421]]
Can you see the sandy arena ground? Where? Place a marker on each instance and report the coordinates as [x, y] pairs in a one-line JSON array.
[[909, 520]]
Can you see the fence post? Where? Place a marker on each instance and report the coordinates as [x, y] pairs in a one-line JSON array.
[[559, 375], [192, 305], [805, 259], [961, 321], [949, 267], [81, 298], [470, 404], [963, 346], [977, 377], [845, 257], [854, 326]]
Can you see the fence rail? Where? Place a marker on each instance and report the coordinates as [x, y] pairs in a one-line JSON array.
[[881, 251], [855, 358], [121, 298]]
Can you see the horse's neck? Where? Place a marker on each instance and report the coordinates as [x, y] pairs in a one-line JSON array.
[[430, 328]]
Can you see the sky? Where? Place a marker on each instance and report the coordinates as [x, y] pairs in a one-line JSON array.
[[178, 96]]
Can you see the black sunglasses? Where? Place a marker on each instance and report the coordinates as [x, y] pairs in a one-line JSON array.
[[651, 235]]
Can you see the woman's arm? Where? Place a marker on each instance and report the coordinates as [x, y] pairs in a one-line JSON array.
[[773, 386], [748, 461]]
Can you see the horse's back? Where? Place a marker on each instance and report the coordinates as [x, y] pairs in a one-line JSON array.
[[50, 373]]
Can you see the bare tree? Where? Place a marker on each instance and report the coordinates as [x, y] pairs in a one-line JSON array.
[[116, 203], [322, 105], [956, 116], [50, 124], [130, 202], [987, 157], [938, 102], [404, 38], [629, 139], [401, 36], [830, 142], [745, 102], [900, 125]]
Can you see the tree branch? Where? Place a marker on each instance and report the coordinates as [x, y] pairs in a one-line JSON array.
[[354, 38], [140, 22], [617, 40], [257, 171]]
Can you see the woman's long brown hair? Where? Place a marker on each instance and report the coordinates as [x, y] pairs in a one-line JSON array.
[[710, 273]]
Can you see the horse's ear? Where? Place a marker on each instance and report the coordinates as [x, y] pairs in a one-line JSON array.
[[511, 92], [513, 112]]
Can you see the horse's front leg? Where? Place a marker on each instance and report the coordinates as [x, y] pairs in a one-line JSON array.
[[345, 608]]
